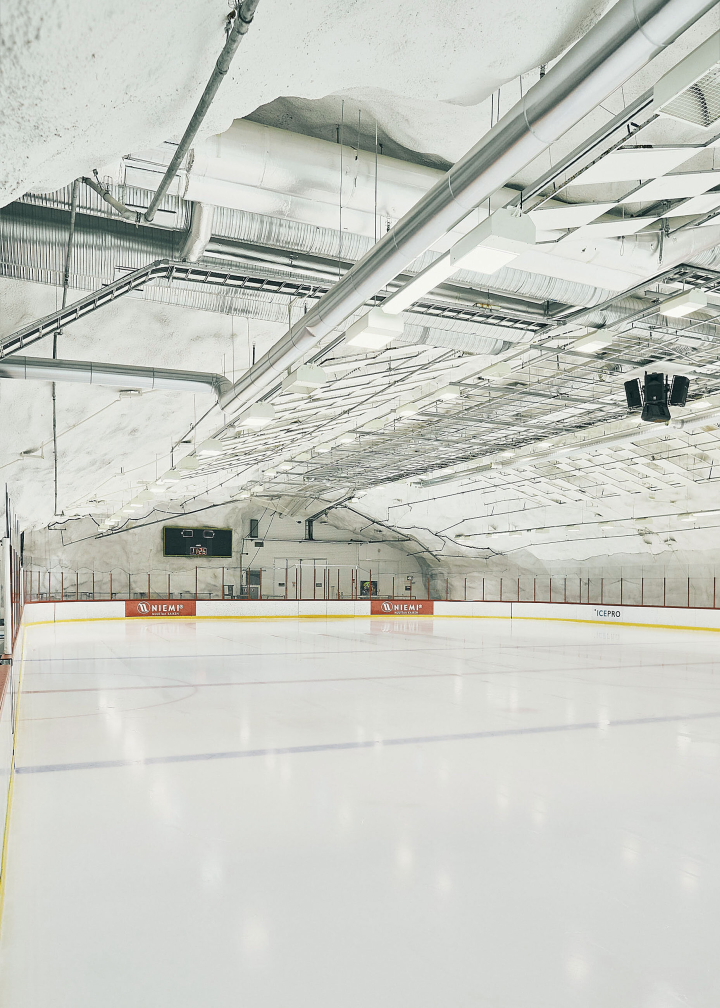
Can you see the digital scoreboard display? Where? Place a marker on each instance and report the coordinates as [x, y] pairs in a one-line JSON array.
[[196, 542]]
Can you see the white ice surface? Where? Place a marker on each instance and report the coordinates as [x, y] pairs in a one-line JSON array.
[[356, 812]]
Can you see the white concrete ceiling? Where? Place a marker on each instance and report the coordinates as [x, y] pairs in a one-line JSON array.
[[80, 92]]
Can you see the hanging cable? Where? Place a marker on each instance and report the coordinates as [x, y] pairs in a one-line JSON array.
[[340, 138], [376, 183], [66, 285]]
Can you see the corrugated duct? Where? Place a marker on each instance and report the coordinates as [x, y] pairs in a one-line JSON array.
[[281, 233], [33, 241]]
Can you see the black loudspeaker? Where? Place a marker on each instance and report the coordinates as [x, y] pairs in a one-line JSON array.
[[632, 394], [679, 390], [655, 413], [656, 389]]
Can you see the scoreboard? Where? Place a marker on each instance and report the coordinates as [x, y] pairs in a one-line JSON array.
[[196, 542]]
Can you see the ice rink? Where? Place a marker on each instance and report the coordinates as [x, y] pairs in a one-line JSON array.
[[364, 813]]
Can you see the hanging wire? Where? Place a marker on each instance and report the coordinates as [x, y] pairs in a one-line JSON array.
[[340, 138], [66, 285], [375, 222]]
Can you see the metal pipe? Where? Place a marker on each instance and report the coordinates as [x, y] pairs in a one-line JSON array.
[[124, 211], [116, 375], [631, 34], [243, 18]]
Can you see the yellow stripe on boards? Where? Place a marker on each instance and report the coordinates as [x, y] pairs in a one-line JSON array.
[[650, 626], [400, 616]]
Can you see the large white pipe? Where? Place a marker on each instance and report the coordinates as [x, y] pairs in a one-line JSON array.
[[269, 171]]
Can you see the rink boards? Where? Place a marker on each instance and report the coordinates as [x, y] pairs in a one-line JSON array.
[[652, 616]]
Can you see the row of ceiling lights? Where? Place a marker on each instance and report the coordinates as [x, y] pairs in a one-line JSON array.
[[488, 247], [606, 524]]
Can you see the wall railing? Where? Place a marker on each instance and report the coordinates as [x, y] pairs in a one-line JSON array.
[[328, 582]]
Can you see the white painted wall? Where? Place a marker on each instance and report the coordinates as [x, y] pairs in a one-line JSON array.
[[139, 551]]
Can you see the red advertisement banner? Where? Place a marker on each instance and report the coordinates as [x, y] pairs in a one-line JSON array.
[[402, 607], [160, 607]]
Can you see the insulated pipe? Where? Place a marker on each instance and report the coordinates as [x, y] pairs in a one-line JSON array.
[[624, 40], [199, 233], [243, 18], [277, 173], [116, 375]]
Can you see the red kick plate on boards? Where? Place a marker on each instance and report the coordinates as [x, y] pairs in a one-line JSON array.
[[387, 607], [160, 607]]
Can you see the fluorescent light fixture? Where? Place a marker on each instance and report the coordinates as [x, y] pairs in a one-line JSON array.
[[689, 516], [374, 425], [305, 379], [375, 329], [708, 513], [449, 392], [491, 245], [322, 448], [683, 304], [269, 473], [494, 243], [420, 285], [258, 488], [213, 446], [284, 466], [347, 438], [496, 371], [244, 494], [592, 343], [509, 454], [258, 416]]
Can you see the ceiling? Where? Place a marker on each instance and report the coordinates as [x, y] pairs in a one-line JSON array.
[[491, 428]]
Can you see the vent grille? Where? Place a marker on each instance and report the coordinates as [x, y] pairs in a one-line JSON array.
[[698, 104]]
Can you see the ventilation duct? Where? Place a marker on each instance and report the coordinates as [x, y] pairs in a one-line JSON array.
[[690, 91], [122, 376]]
